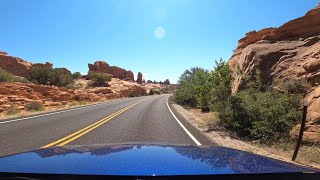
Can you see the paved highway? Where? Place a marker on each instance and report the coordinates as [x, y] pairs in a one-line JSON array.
[[148, 119]]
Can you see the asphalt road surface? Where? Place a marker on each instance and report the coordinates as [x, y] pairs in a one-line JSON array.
[[148, 119]]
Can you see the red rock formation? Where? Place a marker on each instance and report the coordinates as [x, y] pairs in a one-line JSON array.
[[3, 53], [117, 72], [290, 51], [167, 81], [139, 78], [100, 67], [17, 95], [253, 37], [20, 67], [15, 65], [297, 56]]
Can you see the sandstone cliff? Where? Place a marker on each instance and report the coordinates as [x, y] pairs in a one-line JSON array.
[[289, 51], [20, 67], [114, 71]]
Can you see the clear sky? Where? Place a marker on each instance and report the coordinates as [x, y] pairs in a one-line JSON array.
[[160, 38]]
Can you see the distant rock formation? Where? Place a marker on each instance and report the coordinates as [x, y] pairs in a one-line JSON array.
[[139, 78], [167, 81], [20, 67], [290, 51], [116, 72]]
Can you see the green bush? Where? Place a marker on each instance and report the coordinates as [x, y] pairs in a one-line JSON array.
[[6, 76], [34, 106], [221, 84], [295, 86], [48, 76], [41, 75], [255, 113], [186, 93], [99, 79], [76, 75], [151, 92], [264, 116]]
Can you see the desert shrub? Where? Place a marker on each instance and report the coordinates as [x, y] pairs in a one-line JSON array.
[[76, 75], [12, 111], [6, 76], [295, 86], [58, 78], [151, 92], [23, 80], [99, 79], [156, 91], [34, 106], [41, 75], [264, 116], [48, 76]]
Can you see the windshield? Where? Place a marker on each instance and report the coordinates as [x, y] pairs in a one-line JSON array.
[[148, 75]]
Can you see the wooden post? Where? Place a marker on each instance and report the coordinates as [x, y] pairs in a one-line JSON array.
[[303, 124]]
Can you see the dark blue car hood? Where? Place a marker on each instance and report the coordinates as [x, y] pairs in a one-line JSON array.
[[143, 160]]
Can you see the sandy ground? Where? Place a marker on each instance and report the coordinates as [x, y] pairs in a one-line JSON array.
[[206, 122]]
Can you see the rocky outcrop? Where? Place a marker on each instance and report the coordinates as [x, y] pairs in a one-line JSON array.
[[167, 81], [17, 95], [20, 67], [312, 129], [116, 72], [139, 78], [290, 51]]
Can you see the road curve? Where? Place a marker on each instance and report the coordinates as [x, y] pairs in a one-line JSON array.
[[133, 120]]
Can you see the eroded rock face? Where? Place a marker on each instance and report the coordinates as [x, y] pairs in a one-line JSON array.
[[20, 67], [17, 95], [116, 72], [312, 129], [290, 51], [139, 78]]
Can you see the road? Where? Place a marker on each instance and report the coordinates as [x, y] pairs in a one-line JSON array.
[[148, 119]]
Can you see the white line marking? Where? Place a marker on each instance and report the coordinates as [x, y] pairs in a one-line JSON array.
[[14, 120], [184, 128]]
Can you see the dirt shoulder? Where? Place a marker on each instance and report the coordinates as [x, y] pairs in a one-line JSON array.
[[206, 123], [71, 105]]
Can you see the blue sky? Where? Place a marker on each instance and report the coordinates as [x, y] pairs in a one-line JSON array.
[[158, 38]]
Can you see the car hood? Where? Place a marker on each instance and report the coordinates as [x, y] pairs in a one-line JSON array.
[[143, 160]]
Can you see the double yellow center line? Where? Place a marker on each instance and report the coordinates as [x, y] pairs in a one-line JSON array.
[[81, 132]]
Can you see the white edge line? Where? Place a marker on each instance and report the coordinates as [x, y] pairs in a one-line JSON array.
[[184, 128], [73, 109]]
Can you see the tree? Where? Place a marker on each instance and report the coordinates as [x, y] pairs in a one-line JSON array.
[[187, 92], [203, 85], [48, 76], [41, 75], [222, 81]]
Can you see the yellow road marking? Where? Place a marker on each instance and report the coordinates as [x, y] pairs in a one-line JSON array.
[[81, 132]]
